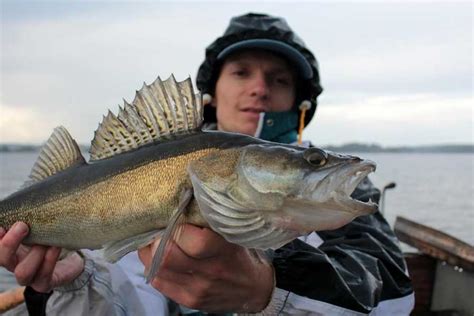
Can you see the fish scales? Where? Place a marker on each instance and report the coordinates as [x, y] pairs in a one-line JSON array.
[[133, 201], [78, 177]]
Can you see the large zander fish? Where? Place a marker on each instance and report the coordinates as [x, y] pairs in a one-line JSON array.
[[153, 169]]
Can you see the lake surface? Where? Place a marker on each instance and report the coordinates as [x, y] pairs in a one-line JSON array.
[[433, 189]]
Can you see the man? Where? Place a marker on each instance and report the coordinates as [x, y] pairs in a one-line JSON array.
[[260, 66], [258, 79]]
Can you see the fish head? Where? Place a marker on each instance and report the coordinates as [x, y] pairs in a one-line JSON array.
[[304, 183], [275, 193]]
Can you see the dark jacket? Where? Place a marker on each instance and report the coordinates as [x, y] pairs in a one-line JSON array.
[[358, 267]]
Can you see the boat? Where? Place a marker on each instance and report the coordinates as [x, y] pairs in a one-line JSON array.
[[441, 269]]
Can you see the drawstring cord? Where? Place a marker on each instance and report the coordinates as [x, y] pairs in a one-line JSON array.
[[304, 106]]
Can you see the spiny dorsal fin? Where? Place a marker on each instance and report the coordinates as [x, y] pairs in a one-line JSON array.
[[59, 153], [159, 109]]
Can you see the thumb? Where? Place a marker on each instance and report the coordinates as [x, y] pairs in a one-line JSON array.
[[68, 269], [145, 254]]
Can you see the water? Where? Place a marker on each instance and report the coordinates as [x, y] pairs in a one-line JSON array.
[[434, 189]]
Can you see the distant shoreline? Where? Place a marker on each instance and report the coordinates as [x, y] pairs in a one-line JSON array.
[[18, 148], [375, 148], [350, 147]]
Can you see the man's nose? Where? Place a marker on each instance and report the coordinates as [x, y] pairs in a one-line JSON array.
[[259, 86]]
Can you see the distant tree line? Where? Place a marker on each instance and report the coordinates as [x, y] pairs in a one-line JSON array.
[[375, 148], [29, 148], [17, 148]]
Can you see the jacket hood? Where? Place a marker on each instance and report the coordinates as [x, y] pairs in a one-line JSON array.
[[262, 31]]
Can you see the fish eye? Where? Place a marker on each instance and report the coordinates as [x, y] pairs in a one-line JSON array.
[[316, 157]]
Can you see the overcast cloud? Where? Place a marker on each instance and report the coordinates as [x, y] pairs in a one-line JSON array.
[[394, 72]]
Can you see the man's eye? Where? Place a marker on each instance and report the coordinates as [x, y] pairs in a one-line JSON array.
[[283, 81], [239, 73]]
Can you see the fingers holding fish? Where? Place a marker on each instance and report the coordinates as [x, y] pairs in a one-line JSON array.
[[201, 243], [201, 270], [24, 262], [10, 245], [192, 288], [36, 270], [36, 266], [41, 269], [27, 268], [177, 262], [189, 289], [217, 284], [195, 293], [145, 254], [54, 273]]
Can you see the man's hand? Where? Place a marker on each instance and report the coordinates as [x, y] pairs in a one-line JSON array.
[[36, 266], [203, 271]]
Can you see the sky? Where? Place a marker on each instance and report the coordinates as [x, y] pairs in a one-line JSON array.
[[394, 72]]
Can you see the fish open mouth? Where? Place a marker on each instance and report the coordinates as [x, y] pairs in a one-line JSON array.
[[325, 202], [337, 186], [354, 175]]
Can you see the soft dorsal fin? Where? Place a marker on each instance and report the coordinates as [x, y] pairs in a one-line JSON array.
[[159, 109], [59, 153]]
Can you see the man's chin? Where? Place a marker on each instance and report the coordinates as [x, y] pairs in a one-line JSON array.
[[242, 127], [249, 125], [247, 130]]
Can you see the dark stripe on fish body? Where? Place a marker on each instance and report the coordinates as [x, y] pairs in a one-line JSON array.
[[76, 178]]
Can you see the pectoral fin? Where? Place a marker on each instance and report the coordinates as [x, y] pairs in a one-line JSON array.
[[237, 222], [113, 251], [172, 232]]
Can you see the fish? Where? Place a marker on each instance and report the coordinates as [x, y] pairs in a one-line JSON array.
[[153, 168]]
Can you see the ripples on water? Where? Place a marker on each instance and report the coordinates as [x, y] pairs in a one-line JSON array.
[[434, 189]]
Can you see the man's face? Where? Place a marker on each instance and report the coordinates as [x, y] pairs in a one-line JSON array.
[[251, 82]]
